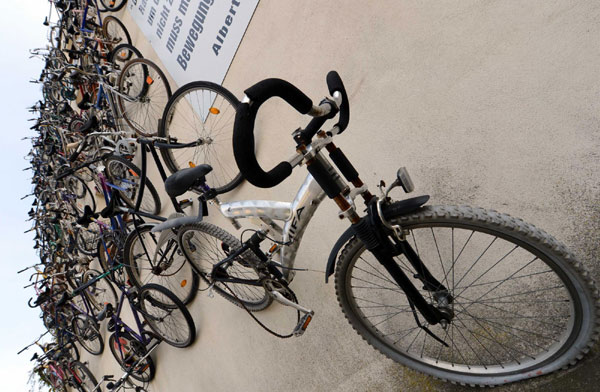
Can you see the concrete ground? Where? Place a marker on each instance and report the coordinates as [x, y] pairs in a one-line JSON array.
[[487, 103]]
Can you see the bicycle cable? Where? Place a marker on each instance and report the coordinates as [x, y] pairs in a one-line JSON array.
[[294, 299]]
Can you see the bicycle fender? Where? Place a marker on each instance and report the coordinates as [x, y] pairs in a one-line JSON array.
[[176, 220], [344, 238]]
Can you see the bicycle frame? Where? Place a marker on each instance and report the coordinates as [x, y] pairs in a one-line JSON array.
[[115, 317], [85, 12], [119, 323], [295, 215], [89, 309]]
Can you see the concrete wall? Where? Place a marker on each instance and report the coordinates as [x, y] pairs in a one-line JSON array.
[[488, 103]]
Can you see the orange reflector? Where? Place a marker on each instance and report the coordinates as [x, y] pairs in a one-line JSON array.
[[273, 248], [183, 283], [214, 110], [305, 325], [112, 3], [132, 173], [149, 80], [192, 164]]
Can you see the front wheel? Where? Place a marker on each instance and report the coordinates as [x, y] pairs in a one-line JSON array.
[[156, 258], [111, 5], [87, 334], [115, 32], [204, 113], [166, 315], [523, 306], [144, 92]]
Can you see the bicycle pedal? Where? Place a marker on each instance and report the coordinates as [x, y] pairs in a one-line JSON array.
[[303, 324]]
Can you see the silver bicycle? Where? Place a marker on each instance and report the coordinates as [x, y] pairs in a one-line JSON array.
[[464, 294]]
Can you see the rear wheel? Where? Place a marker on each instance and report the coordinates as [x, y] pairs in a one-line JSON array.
[[87, 334], [205, 245], [522, 305], [82, 194], [147, 262], [84, 378], [122, 53]]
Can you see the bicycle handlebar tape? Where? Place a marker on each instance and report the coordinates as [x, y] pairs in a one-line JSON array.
[[274, 87], [334, 83], [243, 151]]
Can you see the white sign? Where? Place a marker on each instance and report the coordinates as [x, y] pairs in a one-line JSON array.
[[195, 39]]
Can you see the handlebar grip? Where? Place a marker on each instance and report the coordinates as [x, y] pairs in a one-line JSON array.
[[274, 87], [334, 83], [243, 151]]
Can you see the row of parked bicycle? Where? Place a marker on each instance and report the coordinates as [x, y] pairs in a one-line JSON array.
[[450, 291], [98, 92]]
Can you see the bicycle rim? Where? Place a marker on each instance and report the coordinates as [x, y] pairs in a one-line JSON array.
[[202, 112], [521, 309], [147, 92]]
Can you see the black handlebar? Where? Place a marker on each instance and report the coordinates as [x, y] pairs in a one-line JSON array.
[[243, 132], [334, 83], [270, 88]]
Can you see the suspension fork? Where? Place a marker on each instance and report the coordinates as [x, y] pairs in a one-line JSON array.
[[372, 234], [370, 230]]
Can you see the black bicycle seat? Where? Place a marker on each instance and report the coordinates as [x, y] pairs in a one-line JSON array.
[[180, 182]]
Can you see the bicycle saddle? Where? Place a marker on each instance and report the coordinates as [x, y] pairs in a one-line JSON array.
[[85, 220], [181, 181], [90, 125]]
